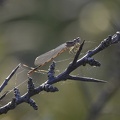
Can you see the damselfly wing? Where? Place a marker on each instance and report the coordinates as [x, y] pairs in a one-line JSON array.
[[48, 56]]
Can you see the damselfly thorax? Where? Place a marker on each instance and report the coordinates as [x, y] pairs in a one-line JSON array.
[[50, 55]]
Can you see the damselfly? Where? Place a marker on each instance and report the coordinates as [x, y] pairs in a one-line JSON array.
[[50, 55]]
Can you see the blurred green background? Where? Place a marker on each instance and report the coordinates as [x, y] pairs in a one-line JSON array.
[[29, 28]]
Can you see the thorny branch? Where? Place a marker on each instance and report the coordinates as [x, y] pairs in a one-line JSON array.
[[65, 75]]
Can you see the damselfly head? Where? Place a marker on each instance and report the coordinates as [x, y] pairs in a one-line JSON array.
[[73, 42], [77, 40], [73, 45]]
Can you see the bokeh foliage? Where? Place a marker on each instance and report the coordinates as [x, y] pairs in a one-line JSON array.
[[29, 28]]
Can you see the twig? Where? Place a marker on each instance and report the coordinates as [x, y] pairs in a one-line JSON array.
[[85, 79], [8, 78]]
